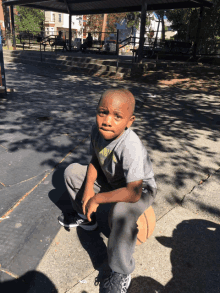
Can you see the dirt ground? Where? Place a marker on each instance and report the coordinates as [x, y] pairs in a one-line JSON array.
[[194, 77]]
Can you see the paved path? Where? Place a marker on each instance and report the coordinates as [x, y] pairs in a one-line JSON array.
[[45, 125]]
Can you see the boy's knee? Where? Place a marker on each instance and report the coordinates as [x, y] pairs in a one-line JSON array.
[[122, 213], [71, 170]]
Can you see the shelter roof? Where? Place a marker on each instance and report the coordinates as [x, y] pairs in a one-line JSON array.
[[79, 7]]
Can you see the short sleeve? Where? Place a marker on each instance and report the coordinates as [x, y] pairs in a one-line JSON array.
[[133, 162]]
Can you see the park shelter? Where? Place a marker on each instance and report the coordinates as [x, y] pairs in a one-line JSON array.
[[79, 7]]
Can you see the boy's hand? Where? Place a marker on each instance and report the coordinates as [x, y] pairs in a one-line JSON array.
[[85, 199], [91, 207]]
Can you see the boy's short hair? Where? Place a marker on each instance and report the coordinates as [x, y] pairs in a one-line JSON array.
[[126, 93]]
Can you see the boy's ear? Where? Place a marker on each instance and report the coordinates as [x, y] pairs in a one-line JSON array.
[[130, 122]]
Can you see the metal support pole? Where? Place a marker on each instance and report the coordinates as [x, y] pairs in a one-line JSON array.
[[40, 52], [13, 26], [70, 32], [117, 47], [198, 32], [2, 68], [158, 26], [142, 30]]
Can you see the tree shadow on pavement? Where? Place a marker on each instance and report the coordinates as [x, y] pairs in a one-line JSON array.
[[181, 132], [49, 118], [30, 282], [51, 113], [188, 76], [195, 260]]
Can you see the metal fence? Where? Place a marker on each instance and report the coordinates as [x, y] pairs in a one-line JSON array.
[[122, 41]]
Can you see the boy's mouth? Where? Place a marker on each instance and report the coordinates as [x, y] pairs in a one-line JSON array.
[[107, 130]]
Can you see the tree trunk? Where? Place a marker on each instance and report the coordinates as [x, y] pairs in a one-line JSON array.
[[142, 30], [7, 25], [104, 27]]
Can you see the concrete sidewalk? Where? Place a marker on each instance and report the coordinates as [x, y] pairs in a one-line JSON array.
[[45, 125]]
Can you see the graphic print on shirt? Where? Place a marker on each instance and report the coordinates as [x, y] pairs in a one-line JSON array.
[[104, 153]]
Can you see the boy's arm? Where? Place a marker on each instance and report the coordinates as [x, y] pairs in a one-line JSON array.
[[131, 193], [91, 176]]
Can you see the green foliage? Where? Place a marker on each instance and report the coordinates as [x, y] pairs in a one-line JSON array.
[[29, 19], [133, 19], [95, 21], [185, 22], [113, 19]]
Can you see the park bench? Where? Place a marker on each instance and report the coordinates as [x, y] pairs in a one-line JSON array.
[[175, 47], [57, 42], [110, 47], [95, 48], [52, 41], [104, 47], [27, 40], [147, 52], [166, 47]]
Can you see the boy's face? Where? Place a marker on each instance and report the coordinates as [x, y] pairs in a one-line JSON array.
[[113, 116]]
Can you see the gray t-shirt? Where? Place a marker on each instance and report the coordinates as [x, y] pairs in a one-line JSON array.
[[122, 160]]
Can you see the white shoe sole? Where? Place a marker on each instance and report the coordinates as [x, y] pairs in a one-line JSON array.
[[129, 281], [85, 227]]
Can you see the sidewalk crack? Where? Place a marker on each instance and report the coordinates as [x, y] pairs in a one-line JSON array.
[[3, 147], [46, 175], [8, 273], [3, 184], [25, 179], [200, 183]]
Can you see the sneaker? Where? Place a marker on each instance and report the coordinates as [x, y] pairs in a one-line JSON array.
[[116, 283], [72, 219]]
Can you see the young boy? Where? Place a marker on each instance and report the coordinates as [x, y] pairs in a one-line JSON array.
[[120, 172]]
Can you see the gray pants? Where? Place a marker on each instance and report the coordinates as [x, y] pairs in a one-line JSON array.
[[123, 218]]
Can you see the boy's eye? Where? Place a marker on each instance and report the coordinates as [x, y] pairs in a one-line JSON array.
[[100, 112], [117, 116]]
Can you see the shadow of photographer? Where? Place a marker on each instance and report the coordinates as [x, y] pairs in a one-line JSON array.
[[195, 259], [31, 282]]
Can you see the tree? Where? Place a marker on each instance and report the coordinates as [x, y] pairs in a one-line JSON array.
[[133, 19], [7, 24], [29, 19], [185, 22], [95, 21], [113, 19], [160, 15]]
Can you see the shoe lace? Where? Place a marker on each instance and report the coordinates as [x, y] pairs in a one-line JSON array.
[[97, 280], [118, 280]]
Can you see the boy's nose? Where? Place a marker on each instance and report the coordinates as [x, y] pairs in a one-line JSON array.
[[108, 120]]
